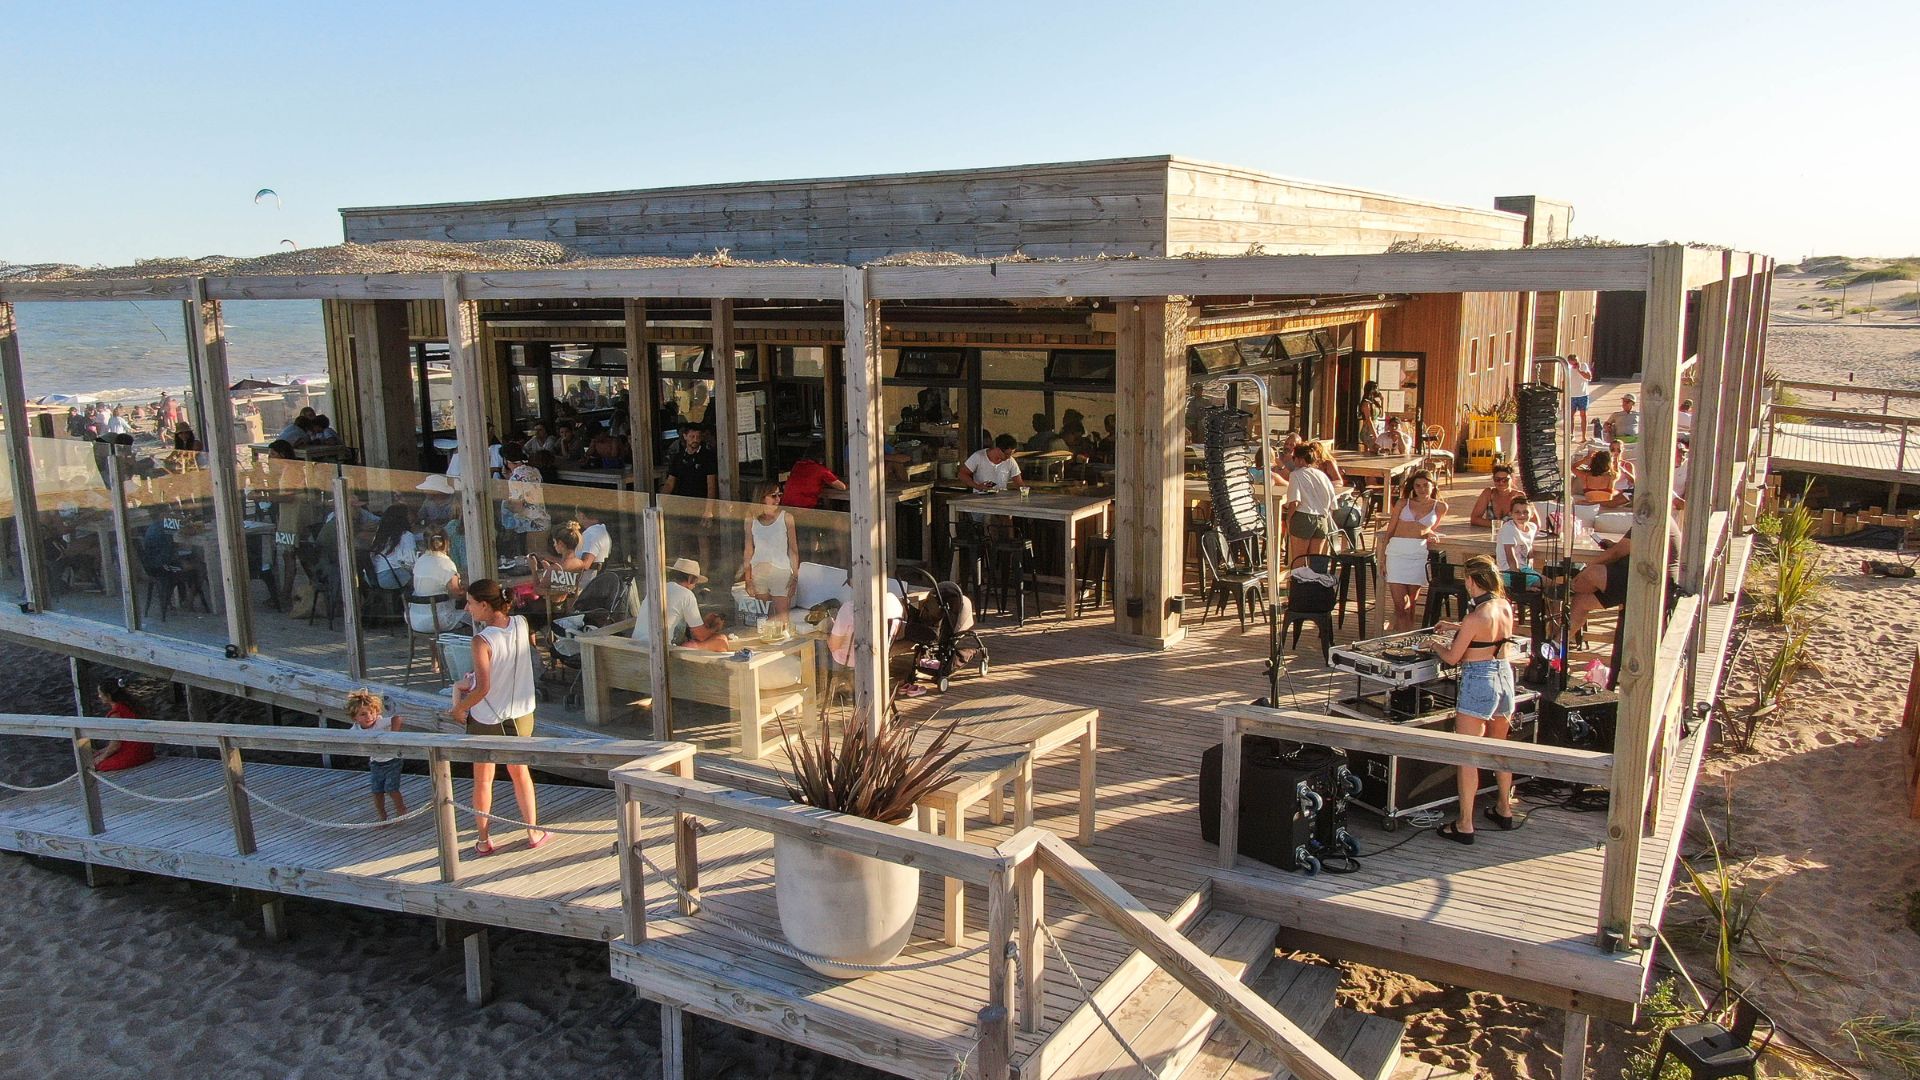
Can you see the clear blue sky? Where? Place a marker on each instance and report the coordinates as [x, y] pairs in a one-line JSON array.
[[136, 130]]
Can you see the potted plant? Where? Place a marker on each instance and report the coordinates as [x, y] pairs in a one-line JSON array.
[[836, 904]]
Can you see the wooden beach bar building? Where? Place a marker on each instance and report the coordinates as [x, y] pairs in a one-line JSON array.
[[1088, 932]]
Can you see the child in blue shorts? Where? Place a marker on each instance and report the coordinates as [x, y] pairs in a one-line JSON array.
[[365, 709]]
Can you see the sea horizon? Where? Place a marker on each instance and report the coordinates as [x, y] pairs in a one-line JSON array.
[[125, 348]]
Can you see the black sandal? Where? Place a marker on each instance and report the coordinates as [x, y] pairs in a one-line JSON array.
[[1451, 831], [1505, 821]]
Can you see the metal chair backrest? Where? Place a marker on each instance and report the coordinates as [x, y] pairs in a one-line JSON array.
[[1213, 548]]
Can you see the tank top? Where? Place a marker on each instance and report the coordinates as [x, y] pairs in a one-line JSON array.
[[510, 681], [770, 541]]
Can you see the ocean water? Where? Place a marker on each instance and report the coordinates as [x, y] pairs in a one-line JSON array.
[[121, 345]]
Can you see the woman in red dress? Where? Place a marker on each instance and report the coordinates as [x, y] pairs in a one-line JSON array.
[[119, 754]]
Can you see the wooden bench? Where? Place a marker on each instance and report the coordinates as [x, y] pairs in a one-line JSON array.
[[611, 659]]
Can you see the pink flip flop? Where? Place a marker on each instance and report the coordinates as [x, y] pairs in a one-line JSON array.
[[544, 837], [483, 849]]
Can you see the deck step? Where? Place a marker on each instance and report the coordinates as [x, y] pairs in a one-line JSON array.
[[1304, 994], [1161, 1019]]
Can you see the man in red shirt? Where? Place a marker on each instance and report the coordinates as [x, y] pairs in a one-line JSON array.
[[807, 480]]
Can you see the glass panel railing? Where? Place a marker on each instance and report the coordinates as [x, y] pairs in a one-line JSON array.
[[753, 590], [567, 553], [176, 550], [409, 557], [74, 508], [286, 505], [12, 588]]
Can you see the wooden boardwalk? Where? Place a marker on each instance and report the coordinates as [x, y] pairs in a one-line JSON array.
[[1861, 452]]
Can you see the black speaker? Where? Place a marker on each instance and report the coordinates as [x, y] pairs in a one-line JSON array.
[[1579, 717], [1292, 806], [1539, 452], [1237, 510]]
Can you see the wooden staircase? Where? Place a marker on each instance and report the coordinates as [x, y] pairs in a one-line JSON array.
[[1181, 1038]]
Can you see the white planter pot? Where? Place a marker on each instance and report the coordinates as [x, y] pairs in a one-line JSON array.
[[847, 907], [1510, 440]]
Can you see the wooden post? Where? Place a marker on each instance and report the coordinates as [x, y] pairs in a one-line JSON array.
[[1707, 450], [346, 581], [1230, 747], [726, 433], [686, 849], [89, 787], [639, 398], [208, 344], [383, 384], [479, 967], [123, 549], [867, 509], [470, 426], [676, 1043], [273, 916], [633, 872], [446, 827], [26, 518], [1150, 392], [1573, 1048], [237, 804], [1031, 885], [653, 564], [80, 672], [1640, 622], [996, 1029]]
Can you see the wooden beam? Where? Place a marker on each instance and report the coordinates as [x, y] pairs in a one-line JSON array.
[[346, 580], [350, 287], [479, 965], [168, 288], [725, 398], [207, 342], [867, 509], [1706, 266], [1150, 394], [89, 785], [1661, 347], [676, 1042], [1573, 1047], [446, 827], [26, 517], [667, 282], [640, 415], [384, 385], [122, 539], [239, 809], [1570, 270], [1706, 443], [1187, 964], [653, 565], [996, 1018], [470, 424]]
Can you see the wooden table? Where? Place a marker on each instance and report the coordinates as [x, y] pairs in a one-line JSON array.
[[1386, 470], [617, 479], [1464, 539], [1068, 510], [989, 727], [610, 658], [898, 495]]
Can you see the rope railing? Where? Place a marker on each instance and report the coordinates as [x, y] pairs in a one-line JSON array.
[[1105, 1020], [425, 805], [67, 779], [145, 797], [503, 819]]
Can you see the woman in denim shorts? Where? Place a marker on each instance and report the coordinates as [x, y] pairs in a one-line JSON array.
[[1486, 688]]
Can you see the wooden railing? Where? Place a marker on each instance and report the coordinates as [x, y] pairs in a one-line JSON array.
[[1776, 413], [1013, 875], [437, 750], [1834, 391]]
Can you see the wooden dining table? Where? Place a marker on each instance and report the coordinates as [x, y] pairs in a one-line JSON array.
[[1068, 510], [918, 493], [1384, 469]]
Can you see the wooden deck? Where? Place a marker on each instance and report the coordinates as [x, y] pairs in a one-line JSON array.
[[1856, 452]]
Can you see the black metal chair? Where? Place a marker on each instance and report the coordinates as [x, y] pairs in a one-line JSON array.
[[1311, 602], [1013, 568], [967, 541], [1229, 578], [1711, 1049], [1446, 590], [317, 563]]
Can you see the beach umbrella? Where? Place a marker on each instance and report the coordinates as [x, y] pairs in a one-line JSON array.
[[60, 399]]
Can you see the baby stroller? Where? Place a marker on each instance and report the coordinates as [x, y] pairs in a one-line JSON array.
[[941, 629]]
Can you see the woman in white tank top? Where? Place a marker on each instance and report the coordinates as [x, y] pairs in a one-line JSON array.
[[498, 699], [772, 552]]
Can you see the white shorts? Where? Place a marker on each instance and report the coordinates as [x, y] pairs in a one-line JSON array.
[[1406, 561]]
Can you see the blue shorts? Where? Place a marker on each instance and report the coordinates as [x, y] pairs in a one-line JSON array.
[[1486, 689], [385, 775], [1580, 403]]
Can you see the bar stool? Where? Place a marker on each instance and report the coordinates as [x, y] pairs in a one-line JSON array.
[[1011, 566], [968, 543], [1446, 593], [1097, 557], [1356, 568], [1199, 523]]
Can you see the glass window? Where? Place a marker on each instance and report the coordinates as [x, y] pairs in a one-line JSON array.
[[682, 358], [1013, 365], [1072, 365], [1213, 358], [800, 361], [928, 363]]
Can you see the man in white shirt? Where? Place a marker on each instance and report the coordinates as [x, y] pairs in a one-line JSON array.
[[1625, 424], [1310, 497], [683, 608], [1579, 378], [116, 425], [1393, 439], [596, 544], [993, 469]]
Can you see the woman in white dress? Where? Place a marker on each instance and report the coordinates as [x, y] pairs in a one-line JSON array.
[[1415, 522], [497, 699], [772, 552]]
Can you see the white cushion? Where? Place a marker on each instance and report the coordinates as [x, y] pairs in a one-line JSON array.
[[818, 584]]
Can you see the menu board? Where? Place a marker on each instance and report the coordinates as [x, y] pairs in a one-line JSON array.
[[746, 412]]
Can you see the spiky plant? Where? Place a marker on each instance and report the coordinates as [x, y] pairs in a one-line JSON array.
[[877, 777]]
